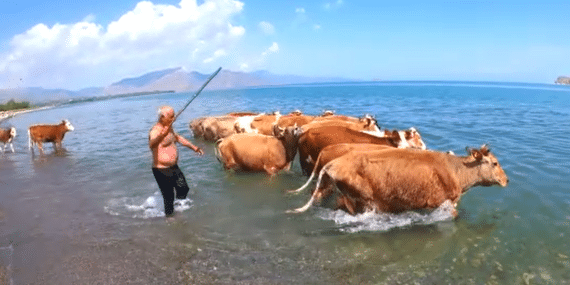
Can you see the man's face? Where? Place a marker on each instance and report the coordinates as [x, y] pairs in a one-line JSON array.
[[167, 116]]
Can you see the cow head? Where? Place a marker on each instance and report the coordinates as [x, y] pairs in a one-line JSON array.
[[12, 132], [490, 171], [370, 123], [327, 113], [290, 138], [68, 125], [296, 113], [414, 139]]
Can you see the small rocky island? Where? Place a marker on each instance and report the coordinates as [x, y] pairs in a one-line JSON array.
[[562, 80]]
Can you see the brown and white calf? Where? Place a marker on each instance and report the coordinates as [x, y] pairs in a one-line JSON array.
[[38, 134], [397, 180], [7, 136], [257, 152]]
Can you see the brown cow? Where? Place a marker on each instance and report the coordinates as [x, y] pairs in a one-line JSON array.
[[39, 134], [257, 152], [7, 136], [397, 180], [334, 151], [312, 141], [216, 127], [260, 124], [366, 123], [295, 118]]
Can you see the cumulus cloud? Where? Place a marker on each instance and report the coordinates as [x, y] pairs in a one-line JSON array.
[[267, 28], [316, 27], [274, 48], [149, 37], [300, 10]]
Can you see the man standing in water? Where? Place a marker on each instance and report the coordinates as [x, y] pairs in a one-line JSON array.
[[162, 142]]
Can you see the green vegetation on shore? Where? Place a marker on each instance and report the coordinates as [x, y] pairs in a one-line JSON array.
[[13, 105]]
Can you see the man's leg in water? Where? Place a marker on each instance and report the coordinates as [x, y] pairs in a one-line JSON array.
[[181, 185], [166, 183]]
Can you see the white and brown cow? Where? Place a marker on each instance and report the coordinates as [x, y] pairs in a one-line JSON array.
[[260, 124], [7, 136], [257, 152], [397, 180], [38, 134], [312, 141]]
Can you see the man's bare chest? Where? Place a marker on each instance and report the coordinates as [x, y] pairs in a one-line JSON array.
[[168, 140]]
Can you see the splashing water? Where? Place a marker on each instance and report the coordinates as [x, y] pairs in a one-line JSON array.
[[152, 207], [372, 221]]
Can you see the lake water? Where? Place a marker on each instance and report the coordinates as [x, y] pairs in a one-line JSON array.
[[94, 214]]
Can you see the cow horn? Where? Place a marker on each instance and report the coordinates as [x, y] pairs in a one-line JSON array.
[[485, 149]]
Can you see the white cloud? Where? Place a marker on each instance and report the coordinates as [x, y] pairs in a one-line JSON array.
[[259, 61], [316, 27], [300, 10], [331, 5], [149, 37], [267, 28], [274, 48]]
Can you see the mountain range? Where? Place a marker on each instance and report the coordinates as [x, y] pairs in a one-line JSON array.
[[167, 80]]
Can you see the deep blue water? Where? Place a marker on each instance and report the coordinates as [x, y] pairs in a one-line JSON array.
[[94, 213]]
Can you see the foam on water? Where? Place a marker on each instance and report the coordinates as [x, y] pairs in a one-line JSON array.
[[371, 221], [152, 207]]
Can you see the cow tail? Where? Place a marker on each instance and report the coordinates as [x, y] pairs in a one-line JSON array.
[[309, 180], [316, 193], [217, 150]]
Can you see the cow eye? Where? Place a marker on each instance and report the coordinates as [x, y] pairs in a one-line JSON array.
[[495, 164]]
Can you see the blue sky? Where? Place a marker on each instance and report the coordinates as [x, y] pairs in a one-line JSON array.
[[79, 44]]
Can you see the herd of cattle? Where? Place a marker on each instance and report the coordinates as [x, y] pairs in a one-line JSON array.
[[37, 135], [370, 169]]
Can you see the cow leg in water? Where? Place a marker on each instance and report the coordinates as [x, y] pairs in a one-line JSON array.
[[346, 204], [40, 147], [303, 162], [270, 170]]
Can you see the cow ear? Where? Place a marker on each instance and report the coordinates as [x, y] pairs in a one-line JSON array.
[[485, 149], [476, 154], [277, 131]]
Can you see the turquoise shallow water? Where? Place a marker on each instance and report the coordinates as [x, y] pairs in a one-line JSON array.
[[93, 213]]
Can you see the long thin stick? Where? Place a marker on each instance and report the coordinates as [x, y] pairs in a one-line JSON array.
[[197, 93]]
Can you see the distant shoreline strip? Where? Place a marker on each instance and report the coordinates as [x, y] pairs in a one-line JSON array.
[[4, 115]]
